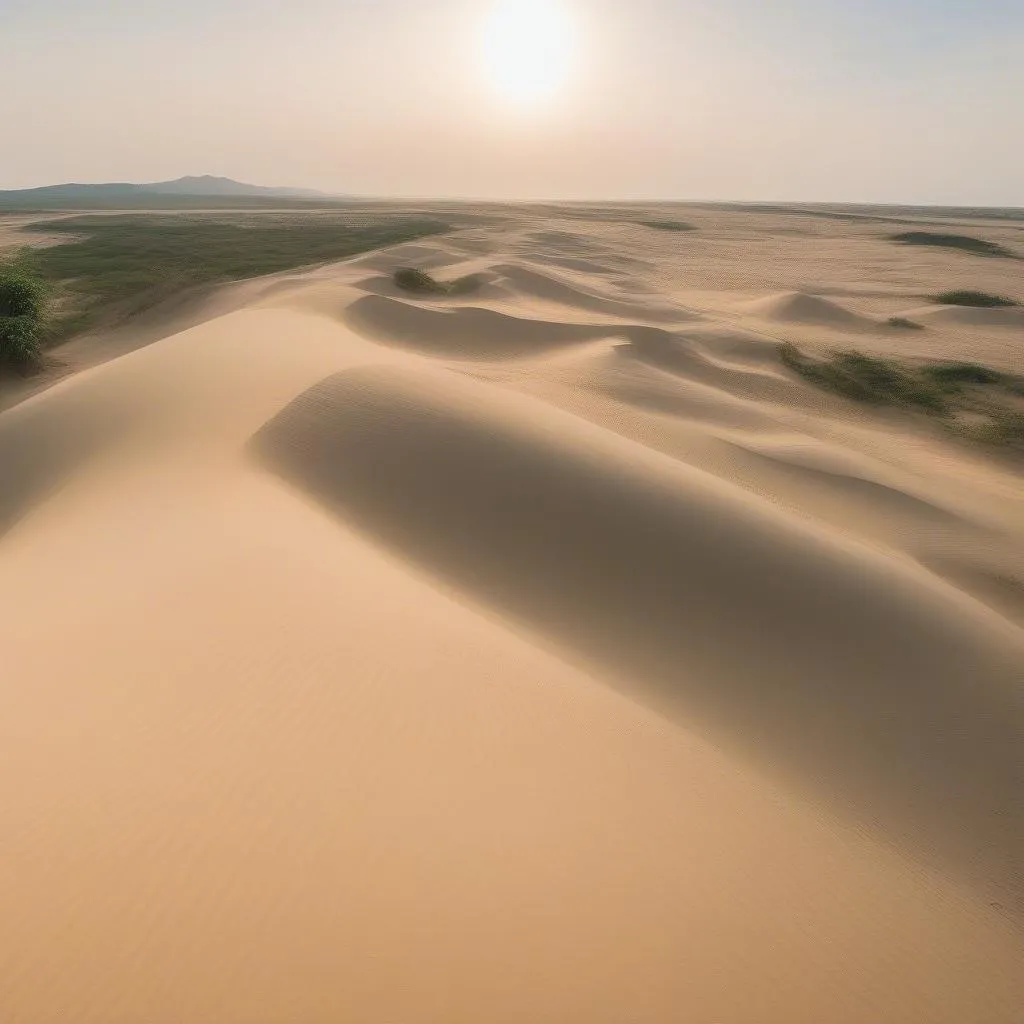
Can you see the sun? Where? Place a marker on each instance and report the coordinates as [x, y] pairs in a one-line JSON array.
[[528, 50]]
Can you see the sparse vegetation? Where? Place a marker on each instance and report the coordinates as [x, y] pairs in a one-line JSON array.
[[22, 317], [953, 375], [667, 225], [115, 266], [968, 297], [962, 242], [866, 378], [410, 279], [1004, 428], [903, 324], [971, 400]]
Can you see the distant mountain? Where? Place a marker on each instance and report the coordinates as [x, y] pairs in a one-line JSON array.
[[116, 194]]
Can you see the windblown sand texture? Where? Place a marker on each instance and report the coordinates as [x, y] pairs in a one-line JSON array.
[[545, 654]]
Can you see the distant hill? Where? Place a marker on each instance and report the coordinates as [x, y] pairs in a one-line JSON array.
[[208, 185], [127, 194]]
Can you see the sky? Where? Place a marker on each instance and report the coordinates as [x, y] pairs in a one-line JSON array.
[[900, 101]]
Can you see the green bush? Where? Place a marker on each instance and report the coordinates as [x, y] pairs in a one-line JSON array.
[[954, 374], [904, 324], [411, 280], [667, 225], [866, 379], [968, 297], [22, 313], [972, 400], [1004, 428], [465, 285], [962, 242]]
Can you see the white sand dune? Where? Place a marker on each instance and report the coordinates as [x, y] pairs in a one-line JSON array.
[[525, 656]]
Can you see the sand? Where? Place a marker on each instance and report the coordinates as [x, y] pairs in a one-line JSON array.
[[544, 654]]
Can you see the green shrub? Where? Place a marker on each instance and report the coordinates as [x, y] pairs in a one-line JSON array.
[[1004, 428], [411, 280], [667, 225], [963, 242], [866, 379], [465, 285], [974, 401], [22, 313], [904, 324], [968, 297], [886, 381], [955, 374]]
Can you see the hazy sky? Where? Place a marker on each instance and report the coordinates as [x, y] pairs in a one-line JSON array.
[[856, 100]]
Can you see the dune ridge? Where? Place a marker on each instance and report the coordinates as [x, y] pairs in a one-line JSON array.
[[616, 563]]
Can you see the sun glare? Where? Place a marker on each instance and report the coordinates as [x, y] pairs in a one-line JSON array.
[[528, 48]]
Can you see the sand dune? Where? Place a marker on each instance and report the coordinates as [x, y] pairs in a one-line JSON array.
[[548, 653], [801, 308], [469, 332], [627, 379], [548, 287], [856, 477], [41, 449], [486, 285], [679, 354], [731, 347], [910, 687]]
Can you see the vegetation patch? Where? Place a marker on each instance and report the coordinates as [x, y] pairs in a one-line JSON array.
[[866, 378], [419, 282], [667, 225], [411, 280], [903, 324], [23, 302], [1004, 428], [952, 376], [968, 297], [972, 400], [112, 267], [962, 242]]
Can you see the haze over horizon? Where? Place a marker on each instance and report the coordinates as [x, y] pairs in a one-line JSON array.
[[896, 102]]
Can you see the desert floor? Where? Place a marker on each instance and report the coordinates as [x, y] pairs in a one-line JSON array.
[[545, 654]]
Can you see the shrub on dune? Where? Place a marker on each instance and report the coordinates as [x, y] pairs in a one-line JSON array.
[[953, 375], [945, 241], [864, 378], [975, 401], [22, 309], [410, 279], [666, 225], [969, 297]]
